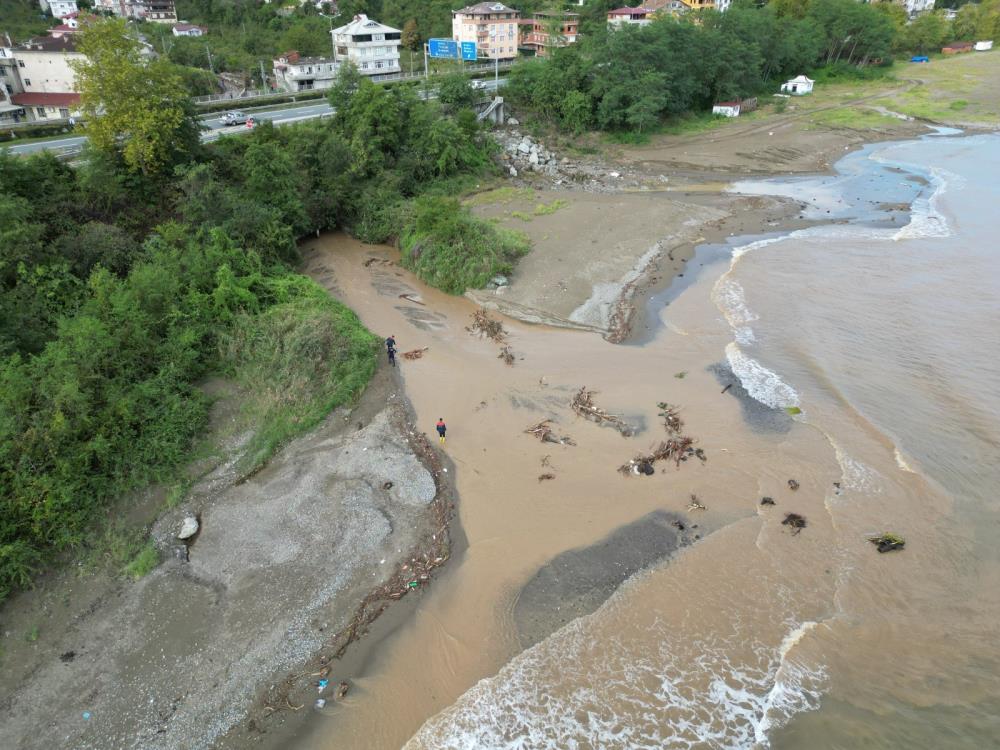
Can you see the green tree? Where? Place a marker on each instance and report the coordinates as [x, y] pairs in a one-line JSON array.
[[577, 111], [455, 91], [134, 107]]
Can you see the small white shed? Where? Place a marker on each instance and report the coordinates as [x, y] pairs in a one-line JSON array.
[[727, 109], [798, 86], [983, 46]]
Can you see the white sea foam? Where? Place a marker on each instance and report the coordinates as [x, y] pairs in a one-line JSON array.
[[901, 462], [568, 692], [762, 384], [855, 475], [926, 218]]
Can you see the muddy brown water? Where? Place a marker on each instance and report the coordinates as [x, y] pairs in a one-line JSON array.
[[516, 524]]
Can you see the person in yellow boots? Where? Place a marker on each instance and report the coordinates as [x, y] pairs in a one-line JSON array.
[[441, 428]]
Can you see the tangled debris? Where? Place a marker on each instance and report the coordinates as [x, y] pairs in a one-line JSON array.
[[887, 542], [543, 431], [796, 521], [671, 417], [484, 325], [793, 485], [767, 501], [377, 261], [695, 504], [506, 355], [415, 353], [678, 449], [583, 404], [544, 477]]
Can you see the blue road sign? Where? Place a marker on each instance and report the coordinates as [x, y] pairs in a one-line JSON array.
[[469, 51], [443, 48]]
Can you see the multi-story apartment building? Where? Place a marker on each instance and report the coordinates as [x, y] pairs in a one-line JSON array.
[[59, 8], [549, 29], [157, 11], [372, 47], [492, 26], [40, 80], [295, 73]]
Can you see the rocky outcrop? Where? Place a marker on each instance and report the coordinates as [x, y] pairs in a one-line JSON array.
[[524, 156]]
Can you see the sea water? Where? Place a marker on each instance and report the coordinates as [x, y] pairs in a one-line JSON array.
[[880, 328]]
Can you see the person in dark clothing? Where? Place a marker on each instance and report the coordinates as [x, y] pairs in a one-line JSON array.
[[390, 349], [441, 428]]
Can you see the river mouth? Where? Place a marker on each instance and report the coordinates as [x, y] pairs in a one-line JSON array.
[[760, 631]]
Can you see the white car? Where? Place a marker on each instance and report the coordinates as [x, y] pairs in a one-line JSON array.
[[480, 84]]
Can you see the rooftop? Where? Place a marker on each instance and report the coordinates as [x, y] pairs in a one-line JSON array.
[[485, 9], [48, 44], [362, 24], [41, 99], [627, 11]]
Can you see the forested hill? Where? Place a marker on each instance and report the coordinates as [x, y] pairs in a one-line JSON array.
[[126, 280]]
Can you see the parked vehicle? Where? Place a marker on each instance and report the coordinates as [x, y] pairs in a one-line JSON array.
[[479, 84], [235, 117]]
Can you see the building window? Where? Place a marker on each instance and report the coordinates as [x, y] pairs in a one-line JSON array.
[[20, 63], [40, 111], [64, 113], [27, 81]]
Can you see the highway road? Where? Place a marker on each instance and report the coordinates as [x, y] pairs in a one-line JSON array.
[[213, 123]]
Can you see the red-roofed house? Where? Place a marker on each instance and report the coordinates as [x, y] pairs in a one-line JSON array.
[[44, 84], [629, 17]]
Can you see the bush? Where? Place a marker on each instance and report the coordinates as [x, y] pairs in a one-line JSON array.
[[298, 361], [449, 248]]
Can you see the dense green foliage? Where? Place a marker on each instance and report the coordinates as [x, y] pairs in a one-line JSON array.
[[122, 288], [632, 78], [447, 247]]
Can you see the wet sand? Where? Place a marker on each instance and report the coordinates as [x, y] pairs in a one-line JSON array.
[[517, 525]]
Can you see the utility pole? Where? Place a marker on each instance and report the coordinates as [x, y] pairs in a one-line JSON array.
[[211, 65], [426, 68]]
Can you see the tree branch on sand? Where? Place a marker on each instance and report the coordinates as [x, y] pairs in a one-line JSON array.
[[672, 421], [543, 431], [583, 404]]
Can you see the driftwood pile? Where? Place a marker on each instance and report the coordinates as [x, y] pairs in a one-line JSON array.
[[543, 431], [484, 325], [676, 449], [672, 422], [583, 404]]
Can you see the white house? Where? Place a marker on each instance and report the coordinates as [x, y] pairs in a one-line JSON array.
[[798, 86], [492, 26], [188, 29], [916, 7], [372, 47], [295, 73], [59, 8]]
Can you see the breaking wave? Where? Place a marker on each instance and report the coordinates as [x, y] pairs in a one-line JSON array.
[[762, 384]]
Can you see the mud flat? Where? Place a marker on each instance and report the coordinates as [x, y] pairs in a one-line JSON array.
[[593, 253], [287, 567]]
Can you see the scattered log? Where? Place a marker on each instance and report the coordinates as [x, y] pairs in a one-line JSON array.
[[413, 298], [767, 501], [544, 477], [583, 404], [795, 521], [415, 353]]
